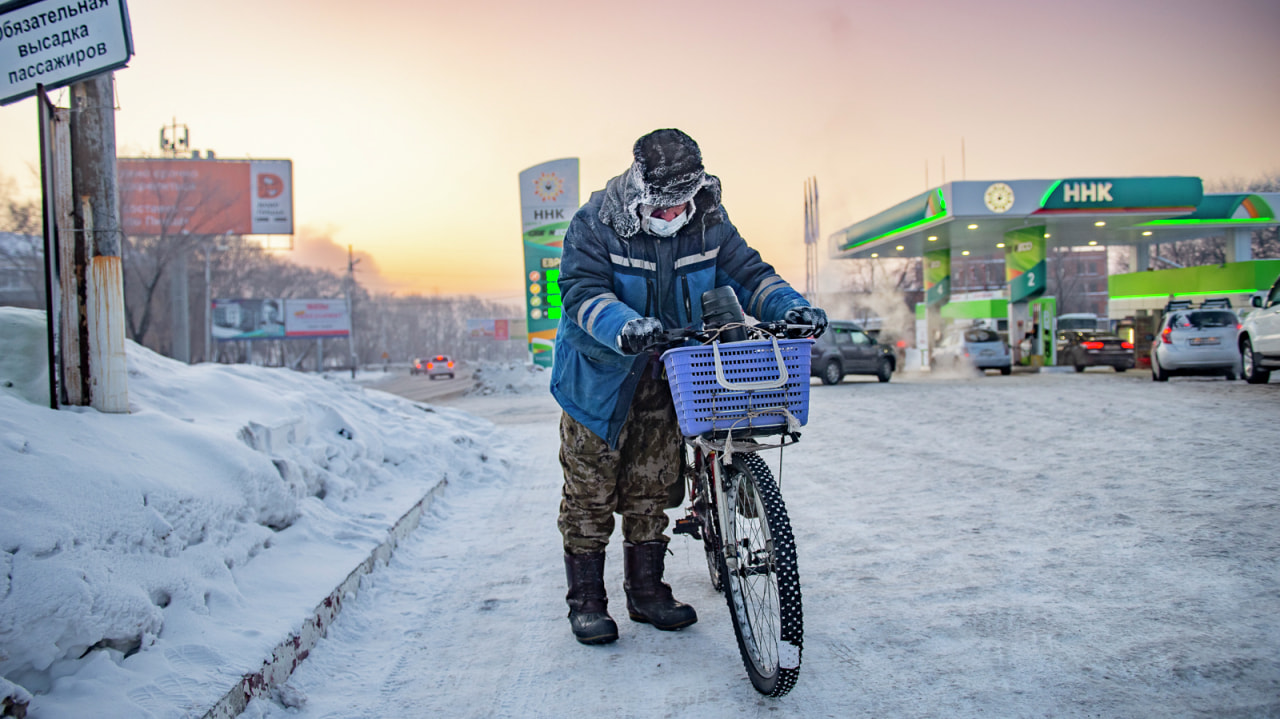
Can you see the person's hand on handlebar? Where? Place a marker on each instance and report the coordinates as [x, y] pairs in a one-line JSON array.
[[638, 334], [814, 316]]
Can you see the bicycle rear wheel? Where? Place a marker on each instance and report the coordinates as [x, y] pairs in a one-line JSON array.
[[704, 508], [761, 580]]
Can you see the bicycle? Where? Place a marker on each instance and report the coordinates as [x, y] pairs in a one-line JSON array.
[[734, 400]]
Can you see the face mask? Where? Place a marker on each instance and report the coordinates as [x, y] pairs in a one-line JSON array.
[[665, 228]]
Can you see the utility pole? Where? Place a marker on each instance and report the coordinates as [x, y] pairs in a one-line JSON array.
[[174, 139], [208, 306], [209, 247], [811, 234], [351, 317], [97, 225], [180, 301]]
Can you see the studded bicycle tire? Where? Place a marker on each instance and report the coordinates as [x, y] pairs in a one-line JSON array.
[[761, 578]]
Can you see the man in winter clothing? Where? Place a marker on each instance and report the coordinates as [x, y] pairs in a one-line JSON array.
[[637, 258]]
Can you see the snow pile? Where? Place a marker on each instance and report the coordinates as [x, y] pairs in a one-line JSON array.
[[149, 559], [22, 337], [509, 378]]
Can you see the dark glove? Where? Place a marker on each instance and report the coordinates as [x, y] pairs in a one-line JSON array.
[[637, 334], [807, 316]]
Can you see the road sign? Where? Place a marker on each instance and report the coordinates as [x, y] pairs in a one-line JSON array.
[[58, 42]]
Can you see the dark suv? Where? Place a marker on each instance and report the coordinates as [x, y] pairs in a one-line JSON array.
[[845, 349]]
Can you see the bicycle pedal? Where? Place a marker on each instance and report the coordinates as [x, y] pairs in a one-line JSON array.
[[688, 525]]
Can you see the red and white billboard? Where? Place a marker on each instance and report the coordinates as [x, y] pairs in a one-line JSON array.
[[316, 318], [489, 329], [205, 197]]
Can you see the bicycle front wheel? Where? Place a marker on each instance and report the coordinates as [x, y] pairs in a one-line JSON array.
[[761, 580]]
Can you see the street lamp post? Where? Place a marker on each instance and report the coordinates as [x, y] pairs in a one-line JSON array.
[[209, 248]]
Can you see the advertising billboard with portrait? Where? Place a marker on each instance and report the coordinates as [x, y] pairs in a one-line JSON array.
[[248, 319]]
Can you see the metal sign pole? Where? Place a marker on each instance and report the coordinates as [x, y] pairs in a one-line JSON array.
[[52, 276]]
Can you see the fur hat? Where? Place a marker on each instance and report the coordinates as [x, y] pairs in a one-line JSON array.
[[667, 171], [670, 164]]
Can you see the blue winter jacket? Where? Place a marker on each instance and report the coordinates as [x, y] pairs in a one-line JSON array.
[[607, 279]]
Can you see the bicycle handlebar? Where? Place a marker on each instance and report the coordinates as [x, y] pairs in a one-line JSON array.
[[669, 339]]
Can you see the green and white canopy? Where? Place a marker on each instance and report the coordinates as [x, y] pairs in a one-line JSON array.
[[976, 215]]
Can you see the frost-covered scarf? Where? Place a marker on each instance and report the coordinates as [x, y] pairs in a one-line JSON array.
[[666, 172]]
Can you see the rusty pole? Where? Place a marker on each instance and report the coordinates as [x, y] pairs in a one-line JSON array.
[[93, 160]]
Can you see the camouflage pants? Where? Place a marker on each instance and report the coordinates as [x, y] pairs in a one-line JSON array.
[[631, 481]]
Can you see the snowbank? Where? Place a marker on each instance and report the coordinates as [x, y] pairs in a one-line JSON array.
[[149, 559], [509, 378]]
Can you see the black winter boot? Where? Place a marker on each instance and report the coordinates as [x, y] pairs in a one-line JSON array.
[[648, 597], [588, 603]]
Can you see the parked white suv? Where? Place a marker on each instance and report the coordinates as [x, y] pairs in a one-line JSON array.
[[1260, 337]]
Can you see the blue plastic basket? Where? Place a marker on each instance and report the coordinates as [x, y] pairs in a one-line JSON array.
[[754, 382]]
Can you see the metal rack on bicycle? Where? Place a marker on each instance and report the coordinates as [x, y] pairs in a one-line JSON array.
[[748, 389]]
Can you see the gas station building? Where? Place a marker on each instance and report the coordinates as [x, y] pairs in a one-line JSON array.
[[1025, 219]]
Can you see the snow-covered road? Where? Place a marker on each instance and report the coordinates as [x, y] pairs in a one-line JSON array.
[[1061, 545]]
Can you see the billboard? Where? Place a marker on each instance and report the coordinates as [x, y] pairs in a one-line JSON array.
[[548, 199], [489, 329], [276, 318], [56, 43], [316, 318], [248, 319], [205, 197]]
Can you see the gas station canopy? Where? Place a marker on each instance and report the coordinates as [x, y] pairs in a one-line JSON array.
[[975, 216]]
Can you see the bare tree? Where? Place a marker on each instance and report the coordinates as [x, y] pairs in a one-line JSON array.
[[242, 269], [414, 326], [165, 217], [402, 327], [886, 289], [21, 246], [17, 215]]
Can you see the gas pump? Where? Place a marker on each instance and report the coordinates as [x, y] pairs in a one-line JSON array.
[[1142, 334], [1044, 316]]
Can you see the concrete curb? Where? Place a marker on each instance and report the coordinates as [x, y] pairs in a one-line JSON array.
[[289, 653]]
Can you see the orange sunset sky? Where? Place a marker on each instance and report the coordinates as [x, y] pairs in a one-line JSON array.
[[408, 121]]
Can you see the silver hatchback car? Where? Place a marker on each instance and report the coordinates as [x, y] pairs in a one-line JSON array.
[[976, 347], [1196, 341]]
